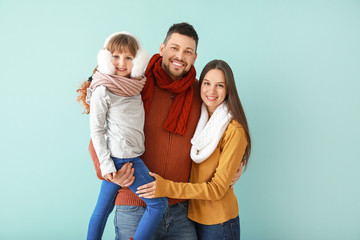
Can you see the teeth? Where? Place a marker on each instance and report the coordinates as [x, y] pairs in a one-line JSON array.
[[177, 64]]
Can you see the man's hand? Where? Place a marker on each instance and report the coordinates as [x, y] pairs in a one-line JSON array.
[[237, 175], [109, 176], [125, 176]]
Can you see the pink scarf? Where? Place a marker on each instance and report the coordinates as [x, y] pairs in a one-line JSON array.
[[121, 86]]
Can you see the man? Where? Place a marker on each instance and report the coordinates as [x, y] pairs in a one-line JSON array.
[[172, 106]]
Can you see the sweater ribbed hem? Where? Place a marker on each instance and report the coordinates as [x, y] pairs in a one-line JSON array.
[[127, 197]]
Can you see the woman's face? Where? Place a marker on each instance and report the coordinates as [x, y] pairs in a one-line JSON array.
[[123, 62], [213, 89]]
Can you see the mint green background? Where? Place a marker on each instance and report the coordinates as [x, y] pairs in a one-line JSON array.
[[297, 67]]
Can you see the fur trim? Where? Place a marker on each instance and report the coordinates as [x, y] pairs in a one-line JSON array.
[[105, 64], [117, 33], [140, 61]]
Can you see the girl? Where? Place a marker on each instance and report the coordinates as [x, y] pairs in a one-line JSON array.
[[112, 97], [220, 144]]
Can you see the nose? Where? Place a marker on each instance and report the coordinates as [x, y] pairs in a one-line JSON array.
[[211, 89], [121, 61], [179, 55]]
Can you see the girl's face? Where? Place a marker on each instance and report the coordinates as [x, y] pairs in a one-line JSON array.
[[123, 62], [213, 89]]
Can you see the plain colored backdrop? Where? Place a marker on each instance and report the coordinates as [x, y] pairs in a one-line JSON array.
[[297, 69]]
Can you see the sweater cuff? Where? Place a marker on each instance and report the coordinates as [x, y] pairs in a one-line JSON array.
[[160, 186], [109, 167]]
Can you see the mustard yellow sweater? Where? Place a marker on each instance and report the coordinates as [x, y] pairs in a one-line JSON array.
[[211, 201]]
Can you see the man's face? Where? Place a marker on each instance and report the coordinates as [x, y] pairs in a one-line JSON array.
[[178, 54]]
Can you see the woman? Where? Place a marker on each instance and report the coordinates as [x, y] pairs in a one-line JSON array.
[[220, 144]]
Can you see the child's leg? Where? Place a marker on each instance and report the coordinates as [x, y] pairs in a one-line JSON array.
[[104, 207], [155, 207]]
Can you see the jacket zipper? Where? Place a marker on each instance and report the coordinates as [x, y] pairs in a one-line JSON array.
[[169, 140]]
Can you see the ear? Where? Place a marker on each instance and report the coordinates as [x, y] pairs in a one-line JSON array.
[[161, 50], [194, 58]]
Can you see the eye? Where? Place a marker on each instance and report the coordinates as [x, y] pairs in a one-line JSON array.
[[173, 48], [116, 56], [206, 83], [220, 85], [129, 58], [189, 52]]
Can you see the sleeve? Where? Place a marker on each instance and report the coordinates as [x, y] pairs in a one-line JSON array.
[[95, 160], [98, 110], [233, 147]]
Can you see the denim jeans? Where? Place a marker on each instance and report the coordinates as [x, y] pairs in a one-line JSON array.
[[227, 230], [152, 213], [174, 225]]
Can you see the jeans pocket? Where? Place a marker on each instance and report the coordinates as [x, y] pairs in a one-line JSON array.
[[126, 208]]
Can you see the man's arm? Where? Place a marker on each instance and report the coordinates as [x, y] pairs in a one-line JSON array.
[[237, 175], [95, 160], [124, 176]]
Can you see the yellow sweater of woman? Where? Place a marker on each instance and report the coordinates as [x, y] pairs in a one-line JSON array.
[[211, 201]]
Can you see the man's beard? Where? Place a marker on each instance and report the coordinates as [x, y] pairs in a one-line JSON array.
[[176, 77]]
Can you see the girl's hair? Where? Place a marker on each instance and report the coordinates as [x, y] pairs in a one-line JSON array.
[[118, 43], [232, 99]]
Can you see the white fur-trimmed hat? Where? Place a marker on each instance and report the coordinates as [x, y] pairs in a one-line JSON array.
[[105, 64]]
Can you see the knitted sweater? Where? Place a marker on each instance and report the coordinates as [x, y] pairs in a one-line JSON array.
[[166, 154], [211, 199]]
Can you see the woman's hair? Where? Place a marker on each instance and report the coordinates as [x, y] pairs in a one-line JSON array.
[[232, 99], [117, 43]]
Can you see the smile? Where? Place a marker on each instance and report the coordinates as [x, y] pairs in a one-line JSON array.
[[177, 64], [211, 98]]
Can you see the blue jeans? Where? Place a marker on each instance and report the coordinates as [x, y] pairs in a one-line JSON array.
[[227, 230], [153, 211], [174, 225]]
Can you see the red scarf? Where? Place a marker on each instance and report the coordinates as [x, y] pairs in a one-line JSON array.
[[182, 89]]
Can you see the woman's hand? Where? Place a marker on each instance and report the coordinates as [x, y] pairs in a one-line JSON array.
[[125, 176], [147, 190]]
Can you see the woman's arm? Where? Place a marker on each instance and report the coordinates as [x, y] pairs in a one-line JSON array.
[[233, 147]]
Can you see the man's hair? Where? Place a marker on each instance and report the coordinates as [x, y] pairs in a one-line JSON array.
[[183, 29]]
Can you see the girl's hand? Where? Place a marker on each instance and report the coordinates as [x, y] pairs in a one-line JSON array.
[[147, 190], [109, 176]]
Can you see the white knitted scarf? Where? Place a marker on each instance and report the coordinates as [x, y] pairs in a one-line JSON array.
[[208, 132]]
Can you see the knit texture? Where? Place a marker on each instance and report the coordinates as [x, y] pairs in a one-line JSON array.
[[118, 85], [208, 132], [211, 201], [178, 117]]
